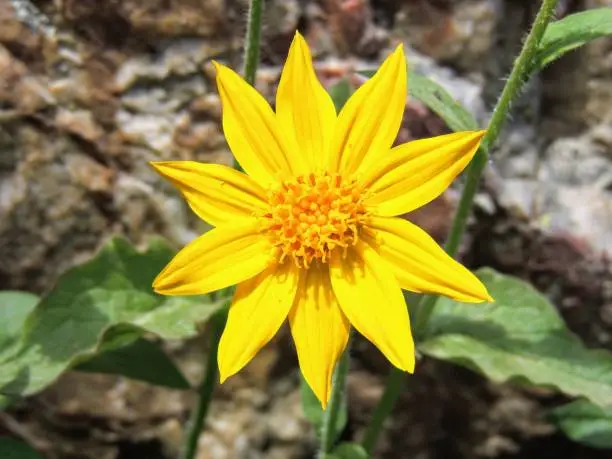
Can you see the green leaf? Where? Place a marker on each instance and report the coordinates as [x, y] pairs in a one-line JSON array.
[[314, 413], [15, 449], [108, 299], [348, 451], [570, 33], [340, 93], [439, 101], [520, 337], [14, 309], [5, 402], [142, 360], [585, 423]]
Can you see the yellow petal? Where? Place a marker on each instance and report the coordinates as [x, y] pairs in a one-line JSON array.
[[369, 122], [303, 107], [217, 194], [221, 257], [319, 328], [370, 297], [415, 173], [259, 308], [253, 133], [420, 264]]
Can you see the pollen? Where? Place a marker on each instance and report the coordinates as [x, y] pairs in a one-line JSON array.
[[311, 216]]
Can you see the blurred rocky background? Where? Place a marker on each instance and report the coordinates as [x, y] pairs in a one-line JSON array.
[[91, 90]]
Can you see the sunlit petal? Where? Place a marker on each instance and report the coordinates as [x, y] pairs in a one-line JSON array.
[[319, 328], [369, 122], [421, 265], [415, 173], [253, 133], [303, 107], [217, 194], [371, 298], [219, 258], [260, 306]]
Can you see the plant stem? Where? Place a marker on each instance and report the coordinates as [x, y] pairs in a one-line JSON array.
[[205, 391], [251, 48], [196, 423], [330, 416], [393, 388], [253, 36], [425, 307], [513, 85]]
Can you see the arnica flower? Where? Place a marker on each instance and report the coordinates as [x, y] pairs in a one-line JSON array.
[[314, 232]]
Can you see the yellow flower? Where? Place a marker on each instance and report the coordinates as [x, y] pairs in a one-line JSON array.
[[312, 232]]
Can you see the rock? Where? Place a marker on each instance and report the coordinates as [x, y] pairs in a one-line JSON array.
[[286, 422], [562, 190], [576, 161], [602, 135], [460, 33], [19, 23], [172, 58], [113, 398], [21, 92], [49, 184], [349, 28], [85, 117], [518, 155], [80, 123], [281, 19], [115, 22], [207, 106], [151, 131]]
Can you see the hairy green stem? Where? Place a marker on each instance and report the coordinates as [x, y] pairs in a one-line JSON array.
[[196, 423], [205, 391], [330, 416], [251, 47], [515, 81], [425, 307], [252, 41], [393, 389]]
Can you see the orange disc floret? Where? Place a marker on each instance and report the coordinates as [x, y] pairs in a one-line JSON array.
[[310, 216]]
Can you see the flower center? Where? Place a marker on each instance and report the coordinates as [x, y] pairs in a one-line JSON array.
[[310, 216]]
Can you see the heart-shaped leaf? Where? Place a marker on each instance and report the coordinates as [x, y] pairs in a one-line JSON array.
[[520, 337], [585, 423], [106, 299]]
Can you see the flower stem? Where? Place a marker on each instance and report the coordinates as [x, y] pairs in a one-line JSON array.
[[517, 77], [196, 423], [251, 48], [330, 415], [425, 307], [393, 388], [205, 391], [253, 36]]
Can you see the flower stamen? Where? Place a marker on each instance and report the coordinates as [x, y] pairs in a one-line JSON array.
[[310, 216]]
